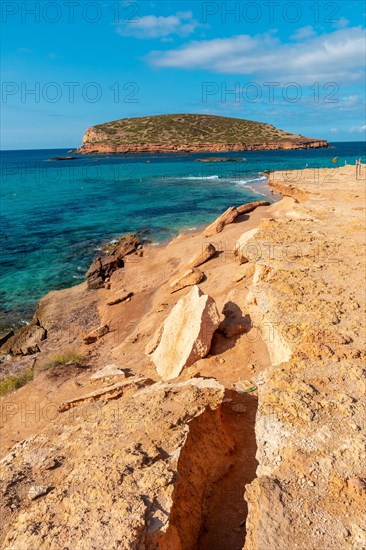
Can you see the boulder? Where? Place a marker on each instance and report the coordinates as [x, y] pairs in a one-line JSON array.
[[126, 245], [101, 269], [108, 371], [26, 340], [186, 334], [96, 334], [206, 253], [37, 491], [189, 278], [121, 296], [218, 225], [31, 345], [250, 206]]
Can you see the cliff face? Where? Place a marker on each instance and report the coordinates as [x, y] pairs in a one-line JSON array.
[[90, 148], [310, 490], [189, 133]]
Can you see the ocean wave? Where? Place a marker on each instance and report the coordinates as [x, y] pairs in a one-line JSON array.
[[202, 178], [252, 180]]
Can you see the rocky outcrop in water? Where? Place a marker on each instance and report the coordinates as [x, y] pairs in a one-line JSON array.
[[189, 133]]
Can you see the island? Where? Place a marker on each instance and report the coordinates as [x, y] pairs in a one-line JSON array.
[[190, 133]]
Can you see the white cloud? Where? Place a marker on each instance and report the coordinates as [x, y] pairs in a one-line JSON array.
[[334, 130], [358, 128], [353, 102], [341, 23], [336, 56], [152, 26], [303, 33]]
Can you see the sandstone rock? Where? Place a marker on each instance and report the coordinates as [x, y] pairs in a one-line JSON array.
[[5, 337], [101, 269], [95, 334], [155, 341], [52, 463], [206, 253], [186, 334], [107, 372], [107, 393], [245, 271], [37, 491], [136, 472], [242, 248], [230, 215], [189, 278], [218, 225], [121, 296], [250, 206], [126, 245], [26, 340], [287, 190]]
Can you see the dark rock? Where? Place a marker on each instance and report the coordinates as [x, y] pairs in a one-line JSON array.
[[26, 341], [94, 268], [101, 269], [5, 337], [109, 264], [126, 245], [63, 158], [95, 282]]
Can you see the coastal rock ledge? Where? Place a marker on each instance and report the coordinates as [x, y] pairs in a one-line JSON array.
[[258, 441]]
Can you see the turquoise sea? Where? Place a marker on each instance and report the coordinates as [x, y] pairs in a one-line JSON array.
[[55, 215]]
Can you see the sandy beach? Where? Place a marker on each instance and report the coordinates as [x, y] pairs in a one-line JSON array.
[[291, 301]]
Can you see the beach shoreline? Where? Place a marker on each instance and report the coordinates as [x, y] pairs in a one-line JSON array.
[[287, 281]]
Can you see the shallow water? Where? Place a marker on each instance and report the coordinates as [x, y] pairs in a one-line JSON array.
[[55, 215]]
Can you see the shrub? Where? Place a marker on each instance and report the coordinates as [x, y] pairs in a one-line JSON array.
[[71, 355], [12, 383]]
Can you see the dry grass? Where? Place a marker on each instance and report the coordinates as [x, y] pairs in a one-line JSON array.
[[12, 383]]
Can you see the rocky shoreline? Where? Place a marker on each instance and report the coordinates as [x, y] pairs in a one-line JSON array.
[[214, 395], [95, 148]]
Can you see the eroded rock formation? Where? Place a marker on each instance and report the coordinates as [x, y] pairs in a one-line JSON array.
[[186, 334]]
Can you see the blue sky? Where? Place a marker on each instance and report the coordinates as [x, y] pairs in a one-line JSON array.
[[297, 65]]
